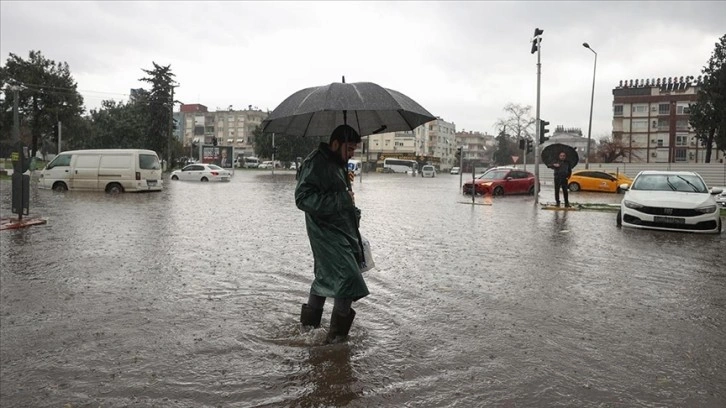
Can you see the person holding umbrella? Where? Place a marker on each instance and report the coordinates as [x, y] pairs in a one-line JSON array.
[[332, 219], [563, 171]]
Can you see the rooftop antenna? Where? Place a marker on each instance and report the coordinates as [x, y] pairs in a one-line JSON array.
[[343, 78]]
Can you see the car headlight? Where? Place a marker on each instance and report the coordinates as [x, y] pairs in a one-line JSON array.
[[632, 204], [706, 210]]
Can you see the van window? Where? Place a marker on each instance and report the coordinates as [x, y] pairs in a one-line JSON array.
[[149, 162], [60, 160]]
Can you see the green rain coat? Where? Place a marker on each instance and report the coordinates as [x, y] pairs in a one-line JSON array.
[[332, 221]]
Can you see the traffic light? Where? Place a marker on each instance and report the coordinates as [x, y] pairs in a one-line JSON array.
[[521, 144], [458, 153], [536, 40], [529, 146], [214, 141], [542, 130]]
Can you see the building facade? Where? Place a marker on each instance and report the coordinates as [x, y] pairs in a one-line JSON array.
[[230, 127], [651, 119], [477, 148], [433, 142], [571, 137]]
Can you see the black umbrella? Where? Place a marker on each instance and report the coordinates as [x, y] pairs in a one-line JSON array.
[[365, 106], [551, 153]]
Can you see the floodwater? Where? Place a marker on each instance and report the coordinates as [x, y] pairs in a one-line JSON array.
[[190, 298]]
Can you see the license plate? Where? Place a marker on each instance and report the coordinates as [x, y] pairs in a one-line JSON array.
[[151, 182], [669, 220]]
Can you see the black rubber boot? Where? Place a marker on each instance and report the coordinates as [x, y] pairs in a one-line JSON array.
[[310, 316], [339, 326]]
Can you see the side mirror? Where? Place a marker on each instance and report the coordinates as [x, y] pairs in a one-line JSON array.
[[716, 191], [625, 186]]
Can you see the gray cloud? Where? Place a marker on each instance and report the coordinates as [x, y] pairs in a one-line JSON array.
[[462, 60]]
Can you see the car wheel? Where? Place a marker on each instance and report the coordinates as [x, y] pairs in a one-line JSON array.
[[114, 188], [574, 187], [60, 186], [498, 191], [174, 177], [204, 179], [531, 191], [619, 221]]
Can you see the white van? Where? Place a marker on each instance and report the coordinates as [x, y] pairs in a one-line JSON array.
[[109, 170], [354, 166]]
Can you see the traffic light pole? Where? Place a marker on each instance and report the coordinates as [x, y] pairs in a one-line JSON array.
[[536, 145]]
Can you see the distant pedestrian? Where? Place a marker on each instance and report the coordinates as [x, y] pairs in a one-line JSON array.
[[563, 171], [332, 220]]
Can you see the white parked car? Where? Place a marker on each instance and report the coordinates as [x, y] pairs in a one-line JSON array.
[[671, 201], [202, 172], [455, 170], [428, 171]]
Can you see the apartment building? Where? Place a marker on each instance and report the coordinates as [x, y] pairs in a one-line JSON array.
[[478, 147], [433, 142], [651, 118], [231, 127]]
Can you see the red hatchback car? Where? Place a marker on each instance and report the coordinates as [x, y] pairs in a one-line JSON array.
[[499, 182]]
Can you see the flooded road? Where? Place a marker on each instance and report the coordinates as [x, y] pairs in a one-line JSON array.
[[191, 298]]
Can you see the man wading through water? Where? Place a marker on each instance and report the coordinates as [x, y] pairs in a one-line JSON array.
[[563, 171], [332, 220]]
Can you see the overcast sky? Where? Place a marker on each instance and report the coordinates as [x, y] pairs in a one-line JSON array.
[[463, 61]]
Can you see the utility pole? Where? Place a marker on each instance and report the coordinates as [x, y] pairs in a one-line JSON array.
[[171, 128], [537, 46], [20, 182]]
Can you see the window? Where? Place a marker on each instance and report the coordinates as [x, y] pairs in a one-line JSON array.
[[681, 140], [640, 108], [60, 160], [683, 109], [618, 110], [663, 124], [680, 154], [660, 142], [682, 124], [149, 162], [640, 125], [664, 109]]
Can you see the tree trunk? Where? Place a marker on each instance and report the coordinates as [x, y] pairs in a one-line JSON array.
[[709, 144]]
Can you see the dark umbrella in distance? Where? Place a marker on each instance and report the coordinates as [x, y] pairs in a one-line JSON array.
[[551, 153], [365, 106]]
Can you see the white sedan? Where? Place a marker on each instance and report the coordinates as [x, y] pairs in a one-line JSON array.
[[670, 201], [201, 172]]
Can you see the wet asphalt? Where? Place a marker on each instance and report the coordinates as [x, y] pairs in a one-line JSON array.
[[190, 298]]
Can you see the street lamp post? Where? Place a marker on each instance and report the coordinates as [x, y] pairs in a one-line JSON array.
[[592, 99]]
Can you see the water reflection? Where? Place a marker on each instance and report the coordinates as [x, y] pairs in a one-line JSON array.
[[190, 297]]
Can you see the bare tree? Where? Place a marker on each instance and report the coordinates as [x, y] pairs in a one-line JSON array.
[[609, 150], [519, 121]]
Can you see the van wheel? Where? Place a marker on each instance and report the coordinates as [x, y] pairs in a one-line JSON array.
[[174, 177], [60, 186], [114, 188], [204, 179]]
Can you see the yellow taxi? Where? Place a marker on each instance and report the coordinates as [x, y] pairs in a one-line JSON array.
[[592, 180]]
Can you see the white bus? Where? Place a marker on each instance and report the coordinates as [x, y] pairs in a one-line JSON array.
[[109, 170], [400, 166]]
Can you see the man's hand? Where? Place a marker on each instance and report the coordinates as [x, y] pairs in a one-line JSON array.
[[351, 176]]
